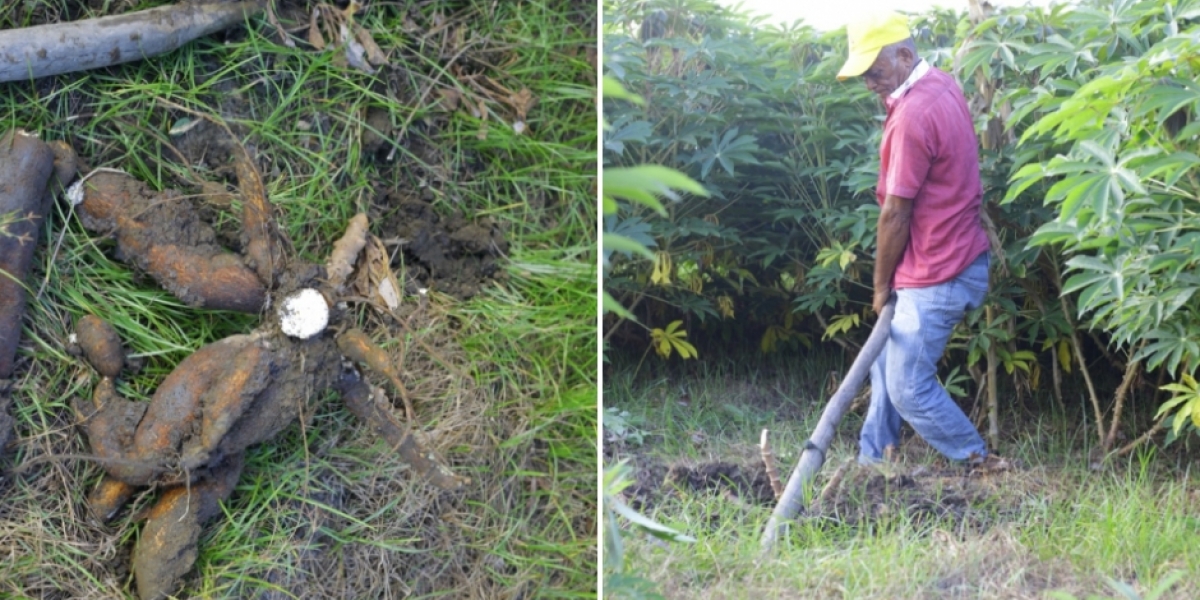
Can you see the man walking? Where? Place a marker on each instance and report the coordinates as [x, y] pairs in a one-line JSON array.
[[932, 249]]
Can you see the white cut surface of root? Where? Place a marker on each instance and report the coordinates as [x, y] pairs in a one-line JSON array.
[[304, 314]]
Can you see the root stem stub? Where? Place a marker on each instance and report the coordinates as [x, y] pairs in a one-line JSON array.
[[357, 396]]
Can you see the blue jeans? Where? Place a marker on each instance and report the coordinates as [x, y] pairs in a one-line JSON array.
[[904, 381]]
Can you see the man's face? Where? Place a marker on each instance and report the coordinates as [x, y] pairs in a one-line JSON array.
[[889, 71]]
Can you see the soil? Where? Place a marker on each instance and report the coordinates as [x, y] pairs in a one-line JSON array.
[[443, 251], [864, 497]]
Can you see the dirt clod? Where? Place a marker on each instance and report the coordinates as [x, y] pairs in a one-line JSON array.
[[448, 254]]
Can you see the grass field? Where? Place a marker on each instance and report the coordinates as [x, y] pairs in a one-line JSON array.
[[919, 528], [502, 369]]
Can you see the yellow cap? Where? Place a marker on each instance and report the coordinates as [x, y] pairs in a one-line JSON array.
[[867, 36]]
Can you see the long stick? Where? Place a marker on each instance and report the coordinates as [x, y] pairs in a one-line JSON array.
[[992, 396], [814, 451], [44, 50]]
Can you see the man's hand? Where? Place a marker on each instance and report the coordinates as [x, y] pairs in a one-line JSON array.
[[882, 295]]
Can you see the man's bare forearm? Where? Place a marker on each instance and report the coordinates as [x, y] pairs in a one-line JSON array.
[[894, 222]]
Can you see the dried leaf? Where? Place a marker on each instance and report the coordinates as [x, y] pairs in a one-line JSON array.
[[521, 102], [374, 54], [314, 31], [274, 21], [389, 294], [483, 125], [355, 53], [373, 277], [450, 98]]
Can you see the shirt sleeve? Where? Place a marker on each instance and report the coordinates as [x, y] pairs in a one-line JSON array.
[[911, 157]]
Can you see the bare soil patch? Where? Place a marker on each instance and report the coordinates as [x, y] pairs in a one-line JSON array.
[[947, 495]]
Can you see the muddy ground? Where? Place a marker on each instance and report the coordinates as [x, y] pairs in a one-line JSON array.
[[921, 493], [440, 251]]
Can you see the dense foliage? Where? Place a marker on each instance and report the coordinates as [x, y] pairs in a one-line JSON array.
[[1085, 117]]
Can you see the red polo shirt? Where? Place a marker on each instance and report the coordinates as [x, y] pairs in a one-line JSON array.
[[930, 154]]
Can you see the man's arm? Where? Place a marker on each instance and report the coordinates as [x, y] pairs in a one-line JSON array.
[[894, 221]]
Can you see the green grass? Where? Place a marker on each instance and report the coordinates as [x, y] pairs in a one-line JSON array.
[[1051, 527], [508, 393]]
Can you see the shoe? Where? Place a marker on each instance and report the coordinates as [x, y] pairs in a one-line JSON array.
[[980, 465]]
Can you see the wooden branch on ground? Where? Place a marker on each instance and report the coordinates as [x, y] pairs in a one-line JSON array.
[[769, 463], [1131, 369], [1153, 431], [992, 396], [44, 50], [1087, 378], [835, 482]]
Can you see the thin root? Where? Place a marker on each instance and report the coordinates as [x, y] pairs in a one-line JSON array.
[[356, 346]]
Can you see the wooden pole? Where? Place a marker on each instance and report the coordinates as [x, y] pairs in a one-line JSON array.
[[44, 50], [813, 456]]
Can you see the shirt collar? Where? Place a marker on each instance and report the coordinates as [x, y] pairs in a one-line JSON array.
[[918, 72]]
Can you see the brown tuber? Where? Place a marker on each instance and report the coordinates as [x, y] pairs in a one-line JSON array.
[[26, 164], [167, 549], [30, 172], [101, 345], [163, 235]]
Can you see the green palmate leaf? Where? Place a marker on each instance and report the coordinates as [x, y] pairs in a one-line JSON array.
[[1101, 154], [633, 228], [1054, 232], [1165, 100], [1170, 168], [611, 88], [841, 324], [626, 131], [610, 304], [615, 242], [1168, 346], [1095, 189], [1023, 179], [645, 183]]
